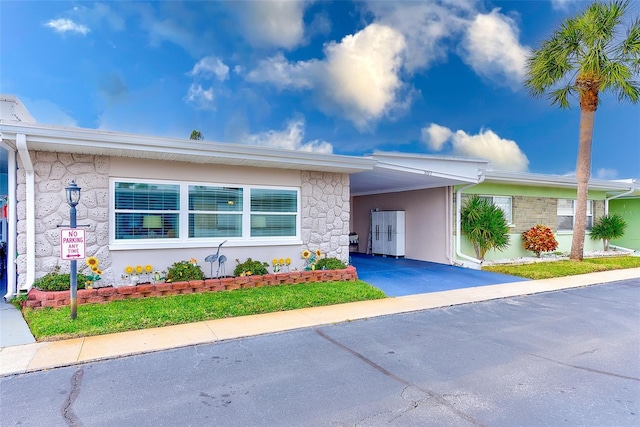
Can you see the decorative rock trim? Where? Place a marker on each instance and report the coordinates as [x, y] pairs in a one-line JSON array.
[[40, 299]]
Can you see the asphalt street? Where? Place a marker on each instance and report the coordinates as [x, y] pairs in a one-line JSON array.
[[565, 358]]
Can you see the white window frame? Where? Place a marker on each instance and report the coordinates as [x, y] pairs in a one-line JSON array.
[[590, 207], [509, 214], [183, 240]]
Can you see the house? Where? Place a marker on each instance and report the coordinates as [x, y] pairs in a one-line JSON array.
[[427, 188], [154, 201]]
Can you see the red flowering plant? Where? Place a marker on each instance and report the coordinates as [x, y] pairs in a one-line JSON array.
[[539, 239]]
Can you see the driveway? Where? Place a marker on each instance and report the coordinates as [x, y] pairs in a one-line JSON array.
[[401, 276]]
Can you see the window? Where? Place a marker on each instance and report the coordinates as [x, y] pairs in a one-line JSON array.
[[567, 212], [146, 211], [192, 211], [215, 211], [273, 212], [503, 202]]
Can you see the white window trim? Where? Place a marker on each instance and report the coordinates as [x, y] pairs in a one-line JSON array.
[[201, 242], [590, 203], [509, 220]]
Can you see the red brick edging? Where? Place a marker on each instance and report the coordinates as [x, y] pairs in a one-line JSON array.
[[40, 299]]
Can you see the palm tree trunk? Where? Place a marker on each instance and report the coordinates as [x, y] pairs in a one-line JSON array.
[[583, 173]]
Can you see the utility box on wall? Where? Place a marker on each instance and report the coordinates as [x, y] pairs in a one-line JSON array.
[[387, 233]]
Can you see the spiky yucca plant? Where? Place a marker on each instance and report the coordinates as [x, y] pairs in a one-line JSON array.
[[608, 227]]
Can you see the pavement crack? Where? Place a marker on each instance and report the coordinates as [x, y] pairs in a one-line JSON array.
[[584, 368], [67, 411], [431, 394]]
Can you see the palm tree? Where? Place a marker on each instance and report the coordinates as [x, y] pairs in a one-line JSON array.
[[585, 57]]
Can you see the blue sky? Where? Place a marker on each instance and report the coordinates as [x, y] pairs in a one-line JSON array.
[[432, 77]]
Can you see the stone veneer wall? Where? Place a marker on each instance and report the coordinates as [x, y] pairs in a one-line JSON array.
[[325, 213], [530, 211], [54, 172]]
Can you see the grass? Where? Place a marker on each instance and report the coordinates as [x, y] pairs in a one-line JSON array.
[[547, 270], [96, 319]]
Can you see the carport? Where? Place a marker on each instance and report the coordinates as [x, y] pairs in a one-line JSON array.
[[401, 276]]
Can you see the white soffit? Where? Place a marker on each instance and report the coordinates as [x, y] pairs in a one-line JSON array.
[[103, 143], [396, 172]]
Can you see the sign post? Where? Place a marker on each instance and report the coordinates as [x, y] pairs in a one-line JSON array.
[[72, 245]]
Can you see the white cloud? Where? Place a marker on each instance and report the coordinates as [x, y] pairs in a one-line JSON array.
[[606, 173], [283, 74], [290, 138], [209, 67], [503, 154], [46, 112], [202, 98], [436, 136], [490, 46], [273, 23], [359, 79], [363, 70], [67, 25], [561, 4], [426, 27]]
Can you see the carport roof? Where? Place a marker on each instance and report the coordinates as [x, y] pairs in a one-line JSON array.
[[395, 172]]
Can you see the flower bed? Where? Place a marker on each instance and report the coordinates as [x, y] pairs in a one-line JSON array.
[[39, 299]]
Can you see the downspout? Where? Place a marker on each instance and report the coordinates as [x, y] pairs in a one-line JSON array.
[[30, 217], [606, 212], [459, 225], [12, 289], [449, 224]]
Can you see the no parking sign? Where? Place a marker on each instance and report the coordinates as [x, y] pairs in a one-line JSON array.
[[72, 244]]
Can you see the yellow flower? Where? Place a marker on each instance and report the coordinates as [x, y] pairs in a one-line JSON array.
[[138, 269], [99, 272], [128, 269], [281, 261], [248, 273], [306, 254], [318, 253], [287, 261], [148, 268], [94, 268], [193, 261], [92, 261], [274, 262]]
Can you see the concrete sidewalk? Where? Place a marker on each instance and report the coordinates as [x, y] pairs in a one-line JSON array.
[[47, 355]]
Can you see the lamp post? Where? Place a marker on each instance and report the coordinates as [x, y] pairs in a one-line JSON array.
[[73, 197]]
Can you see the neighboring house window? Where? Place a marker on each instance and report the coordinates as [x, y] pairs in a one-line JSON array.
[[567, 213], [503, 202], [190, 211]]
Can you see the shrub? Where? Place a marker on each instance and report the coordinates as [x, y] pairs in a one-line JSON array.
[[539, 239], [56, 281], [250, 267], [607, 228], [330, 264], [183, 271], [485, 225]]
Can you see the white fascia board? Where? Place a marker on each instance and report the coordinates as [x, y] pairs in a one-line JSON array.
[[98, 142], [531, 179]]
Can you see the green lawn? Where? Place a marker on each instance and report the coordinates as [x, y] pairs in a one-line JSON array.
[[96, 319], [547, 270]]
